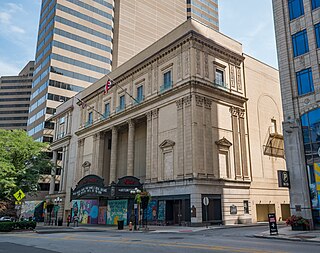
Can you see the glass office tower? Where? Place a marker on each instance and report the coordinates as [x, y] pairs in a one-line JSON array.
[[297, 25]]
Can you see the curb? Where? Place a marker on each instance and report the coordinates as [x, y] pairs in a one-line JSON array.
[[285, 239]]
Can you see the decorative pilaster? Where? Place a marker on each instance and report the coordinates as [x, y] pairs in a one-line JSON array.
[[113, 162], [188, 136], [149, 146], [198, 137], [100, 141], [236, 146], [69, 122], [243, 143], [130, 162], [208, 137], [155, 173], [79, 172], [180, 139], [63, 162], [65, 169], [53, 171]]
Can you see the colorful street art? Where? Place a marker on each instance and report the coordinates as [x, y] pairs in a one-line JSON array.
[[86, 210], [102, 215], [27, 209], [117, 210], [162, 210], [152, 211], [316, 189]]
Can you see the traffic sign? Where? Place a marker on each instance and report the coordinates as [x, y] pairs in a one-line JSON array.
[[19, 195], [17, 202], [206, 201]]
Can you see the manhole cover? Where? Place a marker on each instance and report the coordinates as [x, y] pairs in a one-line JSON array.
[[176, 238]]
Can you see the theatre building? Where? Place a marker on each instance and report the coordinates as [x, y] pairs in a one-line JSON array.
[[189, 117]]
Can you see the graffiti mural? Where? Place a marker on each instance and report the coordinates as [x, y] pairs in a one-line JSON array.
[[152, 210], [117, 210], [28, 207], [86, 210]]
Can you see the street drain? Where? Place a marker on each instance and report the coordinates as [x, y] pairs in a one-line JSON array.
[[135, 240], [175, 238]]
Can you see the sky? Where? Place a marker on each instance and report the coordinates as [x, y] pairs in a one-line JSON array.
[[247, 21]]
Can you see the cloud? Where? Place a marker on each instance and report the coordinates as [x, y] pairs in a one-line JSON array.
[[7, 13]]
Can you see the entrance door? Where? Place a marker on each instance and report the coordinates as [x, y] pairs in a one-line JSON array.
[[263, 210], [177, 212]]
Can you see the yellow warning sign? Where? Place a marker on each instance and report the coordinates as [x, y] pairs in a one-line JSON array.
[[17, 202], [19, 195]]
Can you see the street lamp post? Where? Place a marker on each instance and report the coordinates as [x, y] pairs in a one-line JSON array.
[[57, 201], [136, 191]]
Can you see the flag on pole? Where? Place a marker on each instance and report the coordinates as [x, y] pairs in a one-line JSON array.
[[108, 86]]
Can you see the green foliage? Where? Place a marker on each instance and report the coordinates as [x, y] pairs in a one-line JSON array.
[[8, 226], [21, 162]]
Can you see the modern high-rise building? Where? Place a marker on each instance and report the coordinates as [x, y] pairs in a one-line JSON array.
[[14, 98], [297, 25], [80, 41]]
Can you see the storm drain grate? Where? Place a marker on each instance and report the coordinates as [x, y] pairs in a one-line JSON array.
[[175, 238]]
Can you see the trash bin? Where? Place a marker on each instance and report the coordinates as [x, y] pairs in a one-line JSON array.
[[120, 224], [60, 222]]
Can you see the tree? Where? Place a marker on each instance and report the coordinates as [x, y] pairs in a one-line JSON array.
[[22, 161]]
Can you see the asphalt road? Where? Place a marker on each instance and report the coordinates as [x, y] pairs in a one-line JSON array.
[[217, 240]]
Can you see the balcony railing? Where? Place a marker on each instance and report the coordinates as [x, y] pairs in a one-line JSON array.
[[120, 108], [165, 87], [220, 84], [138, 100]]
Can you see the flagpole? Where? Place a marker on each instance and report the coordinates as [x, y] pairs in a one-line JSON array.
[[90, 107], [123, 89]]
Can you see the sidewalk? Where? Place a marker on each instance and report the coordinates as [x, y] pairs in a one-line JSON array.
[[286, 233]]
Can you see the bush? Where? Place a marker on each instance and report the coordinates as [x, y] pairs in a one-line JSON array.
[[6, 226], [9, 226], [297, 221]]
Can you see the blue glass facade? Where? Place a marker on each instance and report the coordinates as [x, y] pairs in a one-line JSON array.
[[304, 81], [315, 4], [300, 43], [295, 8], [311, 137]]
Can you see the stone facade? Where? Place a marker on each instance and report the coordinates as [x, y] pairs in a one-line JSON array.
[[187, 138]]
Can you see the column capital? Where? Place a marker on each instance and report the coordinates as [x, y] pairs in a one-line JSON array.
[[131, 123], [179, 104], [114, 129], [199, 100], [207, 103], [187, 100], [149, 116], [155, 113], [241, 113], [81, 142], [234, 111]]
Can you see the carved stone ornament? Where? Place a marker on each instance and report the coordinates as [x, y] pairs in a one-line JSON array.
[[155, 113], [167, 143], [239, 79], [187, 100], [224, 142], [199, 100], [207, 103], [206, 65], [232, 76], [149, 80], [241, 113], [86, 165], [179, 104], [198, 62], [149, 116], [234, 111], [179, 66], [80, 142], [186, 61]]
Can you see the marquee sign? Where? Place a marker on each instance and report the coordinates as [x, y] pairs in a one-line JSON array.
[[92, 186]]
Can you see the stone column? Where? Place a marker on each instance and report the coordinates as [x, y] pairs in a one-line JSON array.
[[69, 122], [155, 172], [208, 138], [130, 162], [244, 155], [100, 153], [149, 147], [79, 169], [114, 147], [235, 133], [180, 132], [53, 172], [188, 137], [198, 137], [65, 169]]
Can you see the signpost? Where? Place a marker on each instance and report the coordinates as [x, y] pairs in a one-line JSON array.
[[273, 223], [206, 203]]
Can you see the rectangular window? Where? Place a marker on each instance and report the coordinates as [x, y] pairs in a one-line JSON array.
[[90, 118], [273, 126], [317, 31], [300, 43], [140, 93], [107, 110], [246, 207], [295, 8], [304, 81], [219, 77], [315, 4], [122, 102], [167, 80]]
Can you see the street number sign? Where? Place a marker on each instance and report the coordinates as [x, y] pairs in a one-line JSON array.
[[19, 195], [206, 201]]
